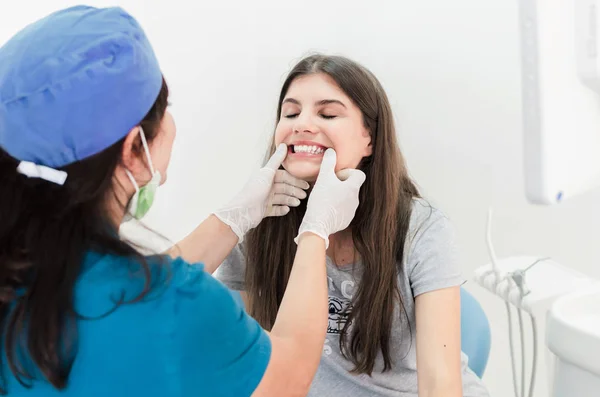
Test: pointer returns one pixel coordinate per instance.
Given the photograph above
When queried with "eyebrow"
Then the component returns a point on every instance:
(319, 103)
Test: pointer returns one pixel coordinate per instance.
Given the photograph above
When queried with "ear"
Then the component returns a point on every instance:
(130, 149)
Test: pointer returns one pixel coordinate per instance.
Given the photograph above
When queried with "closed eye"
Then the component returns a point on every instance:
(325, 116)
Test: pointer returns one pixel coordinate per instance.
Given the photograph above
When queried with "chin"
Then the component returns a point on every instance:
(306, 172)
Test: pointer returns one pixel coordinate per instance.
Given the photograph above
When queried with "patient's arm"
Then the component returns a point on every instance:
(438, 343)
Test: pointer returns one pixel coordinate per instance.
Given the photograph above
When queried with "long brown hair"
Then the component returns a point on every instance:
(45, 233)
(379, 227)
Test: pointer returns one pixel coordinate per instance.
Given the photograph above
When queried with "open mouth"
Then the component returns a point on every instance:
(314, 150)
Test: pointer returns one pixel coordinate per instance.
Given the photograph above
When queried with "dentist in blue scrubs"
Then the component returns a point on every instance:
(85, 141)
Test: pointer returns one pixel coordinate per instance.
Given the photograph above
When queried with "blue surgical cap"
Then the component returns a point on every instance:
(74, 83)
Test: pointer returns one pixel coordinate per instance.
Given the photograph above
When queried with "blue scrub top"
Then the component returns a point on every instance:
(189, 337)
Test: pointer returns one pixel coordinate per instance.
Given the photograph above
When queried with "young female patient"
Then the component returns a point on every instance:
(394, 298)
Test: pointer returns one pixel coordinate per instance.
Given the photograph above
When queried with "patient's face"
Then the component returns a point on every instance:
(316, 115)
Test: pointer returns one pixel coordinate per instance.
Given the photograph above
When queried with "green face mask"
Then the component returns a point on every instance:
(142, 200)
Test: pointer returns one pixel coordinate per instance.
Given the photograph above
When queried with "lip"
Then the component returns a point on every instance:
(308, 143)
(306, 155)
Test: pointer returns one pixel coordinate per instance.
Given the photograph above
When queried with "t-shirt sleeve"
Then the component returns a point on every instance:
(433, 258)
(219, 349)
(232, 271)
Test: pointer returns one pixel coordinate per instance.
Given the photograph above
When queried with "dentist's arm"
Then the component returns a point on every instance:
(210, 243)
(269, 192)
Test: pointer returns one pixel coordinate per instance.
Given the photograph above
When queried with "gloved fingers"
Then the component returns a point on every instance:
(352, 176)
(285, 177)
(328, 163)
(277, 210)
(356, 178)
(289, 190)
(284, 199)
(277, 158)
(343, 174)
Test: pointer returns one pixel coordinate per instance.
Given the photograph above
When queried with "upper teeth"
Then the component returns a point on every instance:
(308, 149)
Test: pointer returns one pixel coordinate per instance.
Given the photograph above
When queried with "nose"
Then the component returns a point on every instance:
(304, 123)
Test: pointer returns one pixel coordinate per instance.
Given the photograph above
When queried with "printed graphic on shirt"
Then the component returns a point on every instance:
(340, 306)
(339, 310)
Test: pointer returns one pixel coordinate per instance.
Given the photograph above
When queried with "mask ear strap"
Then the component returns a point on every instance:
(146, 149)
(132, 179)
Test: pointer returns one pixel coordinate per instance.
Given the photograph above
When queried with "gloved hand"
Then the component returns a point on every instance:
(332, 202)
(269, 192)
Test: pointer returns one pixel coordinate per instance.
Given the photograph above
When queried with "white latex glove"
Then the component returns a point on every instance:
(287, 191)
(269, 192)
(332, 202)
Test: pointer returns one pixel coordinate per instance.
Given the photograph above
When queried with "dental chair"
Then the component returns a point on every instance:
(476, 338)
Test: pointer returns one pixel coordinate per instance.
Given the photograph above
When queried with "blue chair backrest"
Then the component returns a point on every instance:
(475, 335)
(476, 338)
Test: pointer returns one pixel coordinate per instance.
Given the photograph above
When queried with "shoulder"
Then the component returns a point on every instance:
(163, 277)
(176, 287)
(126, 271)
(427, 220)
(191, 284)
(104, 276)
(237, 257)
(233, 269)
(431, 259)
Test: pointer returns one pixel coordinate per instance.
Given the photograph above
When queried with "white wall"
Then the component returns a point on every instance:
(450, 68)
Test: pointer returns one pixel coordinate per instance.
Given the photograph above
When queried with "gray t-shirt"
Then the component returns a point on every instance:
(430, 263)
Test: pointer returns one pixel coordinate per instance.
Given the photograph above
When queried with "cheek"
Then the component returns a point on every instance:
(344, 140)
(163, 150)
(161, 155)
(345, 158)
(350, 152)
(281, 133)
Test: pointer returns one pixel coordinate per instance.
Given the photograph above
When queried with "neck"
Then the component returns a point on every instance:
(117, 202)
(341, 248)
